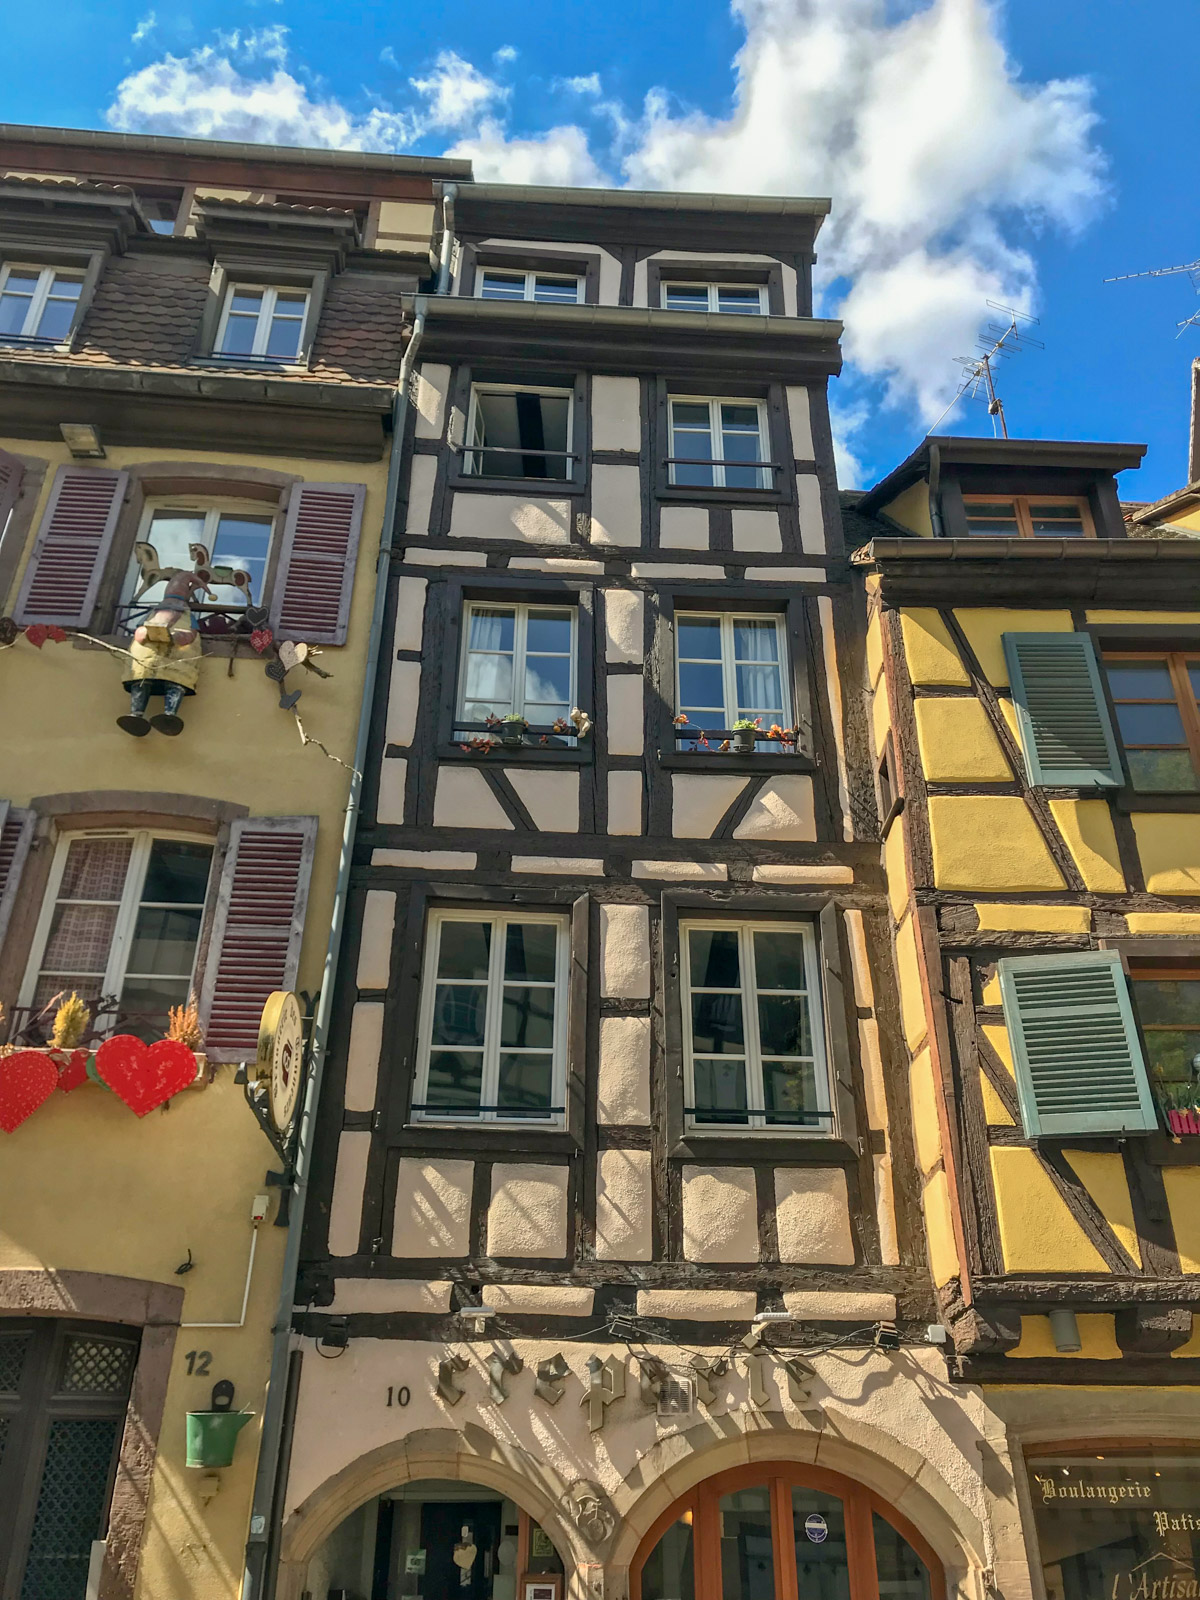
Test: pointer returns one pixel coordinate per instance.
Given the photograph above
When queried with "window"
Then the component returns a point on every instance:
(38, 302)
(231, 545)
(519, 433)
(729, 667)
(1155, 697)
(262, 322)
(752, 1026)
(493, 1018)
(1167, 998)
(740, 299)
(64, 1388)
(1029, 516)
(518, 660)
(558, 288)
(121, 921)
(711, 439)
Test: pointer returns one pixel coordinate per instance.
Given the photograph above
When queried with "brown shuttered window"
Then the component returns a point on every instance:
(255, 946)
(72, 544)
(316, 569)
(16, 834)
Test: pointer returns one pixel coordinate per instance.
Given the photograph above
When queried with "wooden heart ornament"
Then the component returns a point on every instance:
(27, 1077)
(142, 1075)
(73, 1070)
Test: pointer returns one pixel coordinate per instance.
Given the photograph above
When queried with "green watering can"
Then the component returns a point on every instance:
(212, 1435)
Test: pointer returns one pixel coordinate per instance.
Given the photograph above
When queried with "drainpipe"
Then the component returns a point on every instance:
(257, 1582)
(449, 194)
(935, 489)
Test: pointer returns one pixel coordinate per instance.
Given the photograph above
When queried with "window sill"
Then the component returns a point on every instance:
(486, 1137)
(726, 761)
(721, 497)
(262, 364)
(528, 755)
(805, 1145)
(1128, 800)
(536, 486)
(32, 341)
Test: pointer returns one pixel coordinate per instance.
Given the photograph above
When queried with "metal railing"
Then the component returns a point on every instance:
(32, 1025)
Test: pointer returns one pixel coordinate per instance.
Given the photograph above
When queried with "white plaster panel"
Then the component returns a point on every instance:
(720, 1214)
(433, 860)
(639, 283)
(577, 866)
(403, 695)
(812, 518)
(655, 572)
(616, 505)
(463, 800)
(616, 413)
(362, 1055)
(508, 516)
(527, 1215)
(625, 952)
(623, 1081)
(864, 988)
(755, 529)
(790, 303)
(410, 613)
(840, 1305)
(445, 558)
(624, 802)
(625, 736)
(433, 385)
(872, 1065)
(393, 771)
(421, 479)
(785, 575)
(698, 803)
(788, 874)
(812, 1216)
(555, 564)
(541, 1299)
(375, 951)
(624, 1206)
(551, 798)
(782, 809)
(432, 1216)
(388, 1294)
(345, 1207)
(609, 287)
(800, 421)
(713, 871)
(697, 1305)
(885, 1210)
(624, 625)
(683, 528)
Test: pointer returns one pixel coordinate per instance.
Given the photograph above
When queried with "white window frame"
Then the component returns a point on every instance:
(212, 515)
(47, 277)
(522, 609)
(756, 1118)
(490, 1077)
(714, 295)
(728, 620)
(715, 432)
(270, 294)
(471, 449)
(529, 283)
(115, 972)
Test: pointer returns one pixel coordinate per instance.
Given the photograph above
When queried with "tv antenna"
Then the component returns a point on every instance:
(1192, 268)
(1001, 340)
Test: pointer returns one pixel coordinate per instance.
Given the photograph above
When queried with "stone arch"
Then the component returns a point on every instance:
(471, 1454)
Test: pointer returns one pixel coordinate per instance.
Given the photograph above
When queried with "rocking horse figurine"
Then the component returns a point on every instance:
(165, 652)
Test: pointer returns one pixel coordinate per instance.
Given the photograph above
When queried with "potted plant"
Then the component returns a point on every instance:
(512, 731)
(745, 733)
(1181, 1103)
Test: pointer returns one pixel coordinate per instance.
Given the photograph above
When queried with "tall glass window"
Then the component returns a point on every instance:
(518, 660)
(730, 667)
(38, 302)
(715, 442)
(262, 322)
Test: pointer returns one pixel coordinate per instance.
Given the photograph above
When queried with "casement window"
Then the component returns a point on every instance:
(713, 443)
(738, 299)
(519, 432)
(1079, 1062)
(1066, 732)
(64, 1390)
(231, 544)
(730, 667)
(753, 1038)
(1155, 695)
(1022, 516)
(262, 321)
(553, 287)
(38, 302)
(492, 1032)
(1166, 997)
(121, 921)
(517, 660)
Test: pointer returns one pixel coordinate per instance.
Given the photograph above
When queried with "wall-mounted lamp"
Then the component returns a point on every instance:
(1065, 1328)
(82, 439)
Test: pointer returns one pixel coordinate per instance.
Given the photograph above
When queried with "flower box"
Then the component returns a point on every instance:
(1183, 1121)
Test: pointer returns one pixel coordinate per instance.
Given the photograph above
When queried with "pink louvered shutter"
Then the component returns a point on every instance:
(316, 567)
(72, 545)
(16, 835)
(257, 928)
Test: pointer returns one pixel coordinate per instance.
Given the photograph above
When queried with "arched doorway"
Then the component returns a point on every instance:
(784, 1532)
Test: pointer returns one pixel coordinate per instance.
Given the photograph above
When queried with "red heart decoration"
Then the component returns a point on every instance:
(53, 631)
(261, 639)
(145, 1075)
(27, 1077)
(37, 633)
(73, 1071)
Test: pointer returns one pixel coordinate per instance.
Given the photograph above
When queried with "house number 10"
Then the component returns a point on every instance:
(398, 1397)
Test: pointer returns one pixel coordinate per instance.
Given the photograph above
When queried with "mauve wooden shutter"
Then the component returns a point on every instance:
(255, 944)
(16, 835)
(1075, 1045)
(316, 567)
(72, 546)
(1066, 732)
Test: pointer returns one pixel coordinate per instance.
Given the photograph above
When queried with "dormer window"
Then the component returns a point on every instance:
(740, 299)
(262, 322)
(548, 287)
(1023, 516)
(38, 302)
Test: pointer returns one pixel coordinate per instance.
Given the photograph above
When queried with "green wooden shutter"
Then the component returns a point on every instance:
(1079, 1061)
(1066, 731)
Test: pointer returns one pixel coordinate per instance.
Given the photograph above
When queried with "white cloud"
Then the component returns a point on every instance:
(388, 55)
(588, 85)
(456, 94)
(505, 54)
(558, 156)
(145, 27)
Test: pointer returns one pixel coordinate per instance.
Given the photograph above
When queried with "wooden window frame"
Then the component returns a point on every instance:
(766, 468)
(461, 420)
(1176, 662)
(727, 618)
(529, 277)
(701, 1506)
(211, 511)
(1145, 969)
(714, 288)
(262, 323)
(47, 274)
(521, 610)
(767, 275)
(477, 258)
(1021, 503)
(775, 441)
(245, 272)
(470, 449)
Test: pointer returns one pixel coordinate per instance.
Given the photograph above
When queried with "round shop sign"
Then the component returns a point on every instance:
(280, 1056)
(816, 1528)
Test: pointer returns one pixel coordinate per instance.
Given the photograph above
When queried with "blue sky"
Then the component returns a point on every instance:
(1021, 151)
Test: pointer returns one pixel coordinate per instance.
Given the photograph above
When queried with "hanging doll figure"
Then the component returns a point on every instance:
(166, 659)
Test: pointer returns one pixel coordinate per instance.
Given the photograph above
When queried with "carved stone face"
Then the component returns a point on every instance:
(590, 1512)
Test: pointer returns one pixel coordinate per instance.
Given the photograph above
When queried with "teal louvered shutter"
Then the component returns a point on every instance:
(1080, 1068)
(1066, 732)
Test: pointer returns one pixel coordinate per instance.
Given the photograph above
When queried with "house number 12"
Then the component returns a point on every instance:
(398, 1397)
